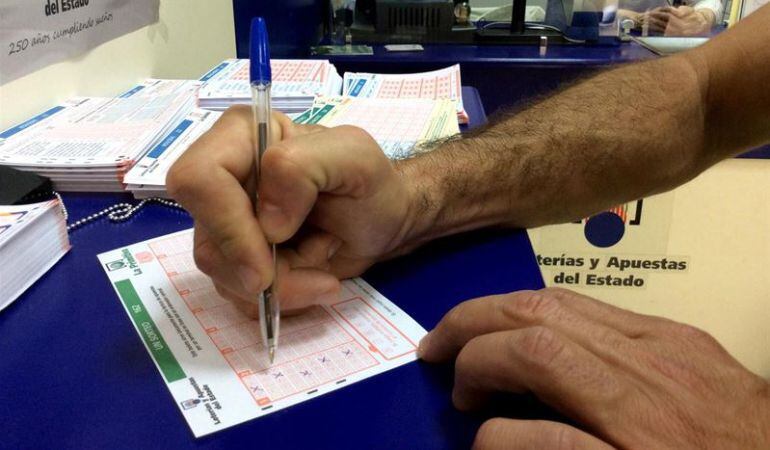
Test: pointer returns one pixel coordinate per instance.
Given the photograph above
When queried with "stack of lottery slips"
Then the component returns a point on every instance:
(89, 143)
(402, 127)
(32, 239)
(435, 85)
(295, 84)
(148, 176)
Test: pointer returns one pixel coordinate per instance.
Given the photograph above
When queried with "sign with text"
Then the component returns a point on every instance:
(698, 254)
(623, 247)
(37, 33)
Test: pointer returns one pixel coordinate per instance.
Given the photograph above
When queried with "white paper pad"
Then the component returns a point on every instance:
(212, 357)
(32, 238)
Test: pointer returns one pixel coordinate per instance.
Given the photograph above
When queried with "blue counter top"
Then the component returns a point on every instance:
(505, 55)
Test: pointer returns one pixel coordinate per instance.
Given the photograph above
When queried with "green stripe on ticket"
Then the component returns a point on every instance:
(168, 364)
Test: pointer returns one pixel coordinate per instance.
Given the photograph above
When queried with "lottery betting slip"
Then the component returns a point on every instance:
(294, 85)
(211, 356)
(147, 178)
(435, 85)
(400, 126)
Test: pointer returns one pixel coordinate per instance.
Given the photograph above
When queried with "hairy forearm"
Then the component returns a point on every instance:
(614, 137)
(619, 136)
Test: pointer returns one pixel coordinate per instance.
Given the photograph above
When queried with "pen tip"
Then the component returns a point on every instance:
(271, 353)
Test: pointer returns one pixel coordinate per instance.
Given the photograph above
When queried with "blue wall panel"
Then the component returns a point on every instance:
(293, 25)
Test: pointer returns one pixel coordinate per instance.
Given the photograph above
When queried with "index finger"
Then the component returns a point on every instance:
(660, 15)
(558, 371)
(601, 330)
(682, 11)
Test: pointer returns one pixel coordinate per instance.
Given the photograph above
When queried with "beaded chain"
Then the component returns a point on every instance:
(116, 213)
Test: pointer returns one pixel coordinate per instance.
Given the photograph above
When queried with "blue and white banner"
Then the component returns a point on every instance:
(37, 33)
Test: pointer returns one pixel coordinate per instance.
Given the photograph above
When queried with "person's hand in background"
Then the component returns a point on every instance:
(687, 21)
(656, 20)
(631, 381)
(672, 21)
(329, 196)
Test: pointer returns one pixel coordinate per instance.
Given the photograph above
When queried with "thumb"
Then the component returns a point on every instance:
(513, 434)
(285, 128)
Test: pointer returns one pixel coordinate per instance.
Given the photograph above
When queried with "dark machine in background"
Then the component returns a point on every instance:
(518, 31)
(502, 77)
(296, 25)
(446, 21)
(410, 21)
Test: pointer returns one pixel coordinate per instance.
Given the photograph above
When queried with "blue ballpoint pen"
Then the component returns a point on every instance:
(260, 77)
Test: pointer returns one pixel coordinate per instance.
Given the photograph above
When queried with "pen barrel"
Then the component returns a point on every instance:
(269, 306)
(260, 95)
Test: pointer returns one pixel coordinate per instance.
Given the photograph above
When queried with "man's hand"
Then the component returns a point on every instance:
(656, 20)
(673, 21)
(687, 21)
(632, 381)
(329, 196)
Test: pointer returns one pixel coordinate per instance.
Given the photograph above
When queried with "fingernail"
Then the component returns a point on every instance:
(250, 279)
(423, 346)
(271, 213)
(269, 207)
(335, 245)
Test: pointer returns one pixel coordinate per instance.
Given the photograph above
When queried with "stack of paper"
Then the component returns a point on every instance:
(148, 176)
(88, 144)
(400, 126)
(32, 238)
(296, 82)
(438, 84)
(697, 254)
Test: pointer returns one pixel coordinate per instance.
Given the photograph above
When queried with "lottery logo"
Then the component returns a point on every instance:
(607, 228)
(115, 265)
(190, 404)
